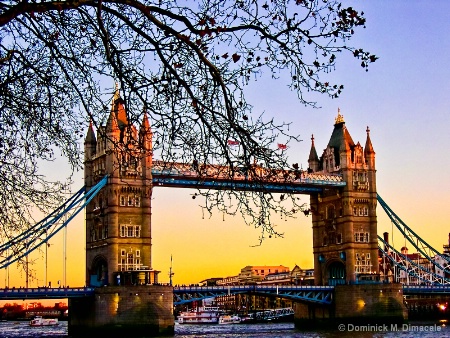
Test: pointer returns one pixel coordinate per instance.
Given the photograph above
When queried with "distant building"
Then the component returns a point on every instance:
(210, 281)
(255, 274)
(232, 280)
(297, 276)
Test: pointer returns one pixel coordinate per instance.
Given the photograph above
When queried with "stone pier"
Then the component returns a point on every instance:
(355, 304)
(123, 311)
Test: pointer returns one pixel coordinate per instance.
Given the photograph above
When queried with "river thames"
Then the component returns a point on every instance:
(270, 330)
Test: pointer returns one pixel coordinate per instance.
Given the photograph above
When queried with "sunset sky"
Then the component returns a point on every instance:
(404, 98)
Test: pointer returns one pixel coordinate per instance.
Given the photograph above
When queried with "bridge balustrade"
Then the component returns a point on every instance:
(44, 293)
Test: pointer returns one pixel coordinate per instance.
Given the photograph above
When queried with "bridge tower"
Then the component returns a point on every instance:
(344, 220)
(118, 222)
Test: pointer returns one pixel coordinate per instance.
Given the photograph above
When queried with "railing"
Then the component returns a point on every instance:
(254, 287)
(256, 174)
(45, 293)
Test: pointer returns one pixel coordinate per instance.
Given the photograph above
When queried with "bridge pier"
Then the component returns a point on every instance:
(358, 304)
(123, 311)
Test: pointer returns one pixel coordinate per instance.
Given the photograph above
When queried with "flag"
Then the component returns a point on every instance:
(233, 143)
(282, 146)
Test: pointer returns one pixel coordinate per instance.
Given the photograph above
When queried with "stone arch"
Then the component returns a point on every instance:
(99, 271)
(336, 272)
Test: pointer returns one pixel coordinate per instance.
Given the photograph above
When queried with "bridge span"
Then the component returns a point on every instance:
(188, 294)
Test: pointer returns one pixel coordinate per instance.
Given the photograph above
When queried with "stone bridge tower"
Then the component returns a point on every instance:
(118, 222)
(344, 220)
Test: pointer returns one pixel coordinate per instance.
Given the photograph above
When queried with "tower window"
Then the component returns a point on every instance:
(122, 201)
(130, 200)
(128, 230)
(362, 237)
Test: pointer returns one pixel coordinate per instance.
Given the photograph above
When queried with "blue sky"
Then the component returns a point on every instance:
(403, 98)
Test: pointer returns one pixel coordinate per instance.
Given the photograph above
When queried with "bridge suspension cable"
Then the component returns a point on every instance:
(409, 266)
(29, 240)
(421, 246)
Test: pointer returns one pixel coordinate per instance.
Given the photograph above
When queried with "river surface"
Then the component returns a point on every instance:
(427, 329)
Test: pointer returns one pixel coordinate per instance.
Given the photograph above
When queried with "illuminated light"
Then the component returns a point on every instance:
(360, 304)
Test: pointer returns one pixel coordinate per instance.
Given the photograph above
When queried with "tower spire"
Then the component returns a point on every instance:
(339, 118)
(313, 160)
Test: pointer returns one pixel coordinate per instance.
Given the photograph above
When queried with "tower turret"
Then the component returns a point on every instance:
(313, 160)
(90, 148)
(369, 153)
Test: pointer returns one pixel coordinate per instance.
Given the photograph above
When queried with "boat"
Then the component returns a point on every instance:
(229, 319)
(39, 321)
(201, 315)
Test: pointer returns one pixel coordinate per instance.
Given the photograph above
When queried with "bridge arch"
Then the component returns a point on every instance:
(336, 272)
(99, 271)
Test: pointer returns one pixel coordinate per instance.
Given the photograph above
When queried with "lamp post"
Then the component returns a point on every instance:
(170, 271)
(26, 265)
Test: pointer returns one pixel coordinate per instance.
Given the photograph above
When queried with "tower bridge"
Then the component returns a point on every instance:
(350, 260)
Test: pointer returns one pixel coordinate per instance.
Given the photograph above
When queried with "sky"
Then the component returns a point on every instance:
(404, 100)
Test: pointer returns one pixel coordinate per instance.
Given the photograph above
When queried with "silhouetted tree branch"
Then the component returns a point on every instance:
(186, 64)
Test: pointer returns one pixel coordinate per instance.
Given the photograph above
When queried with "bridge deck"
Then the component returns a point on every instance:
(219, 177)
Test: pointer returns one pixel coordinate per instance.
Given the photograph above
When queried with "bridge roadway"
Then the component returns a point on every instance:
(187, 294)
(219, 177)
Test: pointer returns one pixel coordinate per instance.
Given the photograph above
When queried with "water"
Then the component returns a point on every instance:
(11, 329)
(271, 330)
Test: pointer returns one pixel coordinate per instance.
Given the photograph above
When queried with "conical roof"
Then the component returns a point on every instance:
(313, 153)
(340, 138)
(90, 136)
(368, 148)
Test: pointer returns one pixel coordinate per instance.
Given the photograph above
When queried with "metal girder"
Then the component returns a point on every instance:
(233, 185)
(313, 294)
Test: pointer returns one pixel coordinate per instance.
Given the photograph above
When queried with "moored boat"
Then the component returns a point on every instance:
(39, 321)
(201, 315)
(228, 319)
